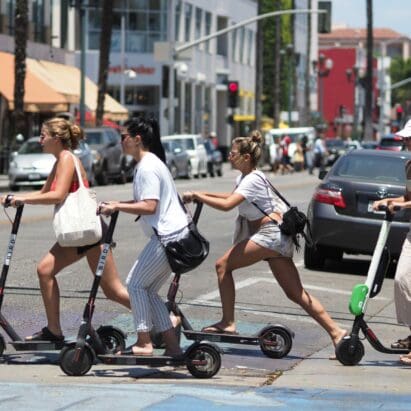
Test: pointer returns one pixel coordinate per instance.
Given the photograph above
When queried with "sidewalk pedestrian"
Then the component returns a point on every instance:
(257, 238)
(59, 137)
(155, 199)
(320, 154)
(402, 279)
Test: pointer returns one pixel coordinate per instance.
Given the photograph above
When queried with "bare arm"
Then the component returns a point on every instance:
(220, 203)
(144, 207)
(63, 171)
(386, 201)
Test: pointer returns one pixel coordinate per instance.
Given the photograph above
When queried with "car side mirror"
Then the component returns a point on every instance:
(111, 144)
(322, 174)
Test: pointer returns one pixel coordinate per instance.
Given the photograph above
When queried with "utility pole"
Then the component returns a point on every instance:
(259, 70)
(277, 68)
(368, 129)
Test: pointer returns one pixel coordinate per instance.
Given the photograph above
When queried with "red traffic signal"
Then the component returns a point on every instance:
(233, 89)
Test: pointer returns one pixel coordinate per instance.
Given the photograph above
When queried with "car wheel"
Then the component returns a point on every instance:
(173, 171)
(13, 187)
(313, 257)
(102, 178)
(122, 178)
(189, 174)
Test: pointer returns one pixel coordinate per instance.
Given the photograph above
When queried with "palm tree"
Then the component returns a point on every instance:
(20, 41)
(307, 90)
(105, 43)
(259, 69)
(368, 130)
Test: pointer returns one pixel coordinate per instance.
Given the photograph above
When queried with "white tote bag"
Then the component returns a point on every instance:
(75, 220)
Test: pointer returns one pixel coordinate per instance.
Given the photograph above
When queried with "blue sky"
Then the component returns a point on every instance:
(393, 14)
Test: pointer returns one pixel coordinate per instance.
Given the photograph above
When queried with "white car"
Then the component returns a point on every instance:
(193, 144)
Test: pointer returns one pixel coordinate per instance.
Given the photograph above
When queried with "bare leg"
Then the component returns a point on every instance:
(110, 281)
(241, 255)
(47, 269)
(287, 276)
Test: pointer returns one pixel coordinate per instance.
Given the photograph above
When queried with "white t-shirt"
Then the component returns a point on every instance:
(153, 181)
(254, 188)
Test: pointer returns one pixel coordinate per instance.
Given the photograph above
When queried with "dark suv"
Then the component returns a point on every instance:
(109, 162)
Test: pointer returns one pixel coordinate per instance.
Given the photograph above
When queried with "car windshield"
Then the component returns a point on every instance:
(390, 142)
(31, 147)
(94, 137)
(372, 168)
(166, 145)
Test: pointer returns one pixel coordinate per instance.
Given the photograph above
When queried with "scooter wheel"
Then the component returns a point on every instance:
(112, 339)
(2, 345)
(349, 356)
(275, 342)
(204, 361)
(74, 362)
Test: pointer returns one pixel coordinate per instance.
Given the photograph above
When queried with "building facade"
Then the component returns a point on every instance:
(139, 76)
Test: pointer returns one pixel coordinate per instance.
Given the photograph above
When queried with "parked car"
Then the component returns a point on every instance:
(214, 159)
(193, 144)
(109, 162)
(340, 212)
(30, 166)
(391, 142)
(178, 160)
(353, 145)
(335, 147)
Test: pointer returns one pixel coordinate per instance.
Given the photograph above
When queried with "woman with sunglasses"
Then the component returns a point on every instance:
(155, 199)
(402, 279)
(59, 137)
(257, 238)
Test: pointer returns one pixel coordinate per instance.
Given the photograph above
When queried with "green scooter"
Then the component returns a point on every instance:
(350, 350)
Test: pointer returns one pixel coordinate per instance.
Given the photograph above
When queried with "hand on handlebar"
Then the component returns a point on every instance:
(188, 197)
(106, 208)
(394, 206)
(10, 200)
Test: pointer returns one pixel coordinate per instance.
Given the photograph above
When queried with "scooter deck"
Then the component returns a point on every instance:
(150, 360)
(37, 345)
(222, 337)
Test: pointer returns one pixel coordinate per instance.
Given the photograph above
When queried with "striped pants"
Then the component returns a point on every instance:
(145, 279)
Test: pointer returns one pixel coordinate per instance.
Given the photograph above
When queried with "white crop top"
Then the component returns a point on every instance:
(254, 188)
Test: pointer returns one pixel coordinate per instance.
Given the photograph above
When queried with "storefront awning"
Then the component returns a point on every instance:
(38, 97)
(66, 81)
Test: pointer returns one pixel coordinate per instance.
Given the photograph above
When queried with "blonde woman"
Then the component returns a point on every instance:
(59, 137)
(257, 238)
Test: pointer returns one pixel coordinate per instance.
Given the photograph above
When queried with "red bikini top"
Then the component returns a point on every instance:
(74, 185)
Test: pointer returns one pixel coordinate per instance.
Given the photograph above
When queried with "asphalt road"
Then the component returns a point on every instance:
(259, 301)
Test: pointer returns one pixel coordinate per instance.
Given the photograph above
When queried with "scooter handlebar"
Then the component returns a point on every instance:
(385, 208)
(9, 199)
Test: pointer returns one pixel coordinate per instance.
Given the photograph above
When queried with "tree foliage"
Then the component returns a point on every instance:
(400, 70)
(269, 54)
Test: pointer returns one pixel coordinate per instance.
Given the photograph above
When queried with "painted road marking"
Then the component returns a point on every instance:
(254, 280)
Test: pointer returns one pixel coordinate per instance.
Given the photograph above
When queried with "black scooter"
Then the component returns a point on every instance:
(350, 350)
(105, 339)
(275, 340)
(202, 359)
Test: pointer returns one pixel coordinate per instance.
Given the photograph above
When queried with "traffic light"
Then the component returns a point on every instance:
(324, 19)
(233, 89)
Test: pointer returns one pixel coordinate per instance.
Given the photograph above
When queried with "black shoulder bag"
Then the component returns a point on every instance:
(188, 252)
(294, 220)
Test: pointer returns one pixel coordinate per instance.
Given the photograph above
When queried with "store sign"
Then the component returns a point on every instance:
(139, 70)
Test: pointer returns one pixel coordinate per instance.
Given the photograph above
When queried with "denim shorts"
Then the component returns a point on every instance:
(270, 236)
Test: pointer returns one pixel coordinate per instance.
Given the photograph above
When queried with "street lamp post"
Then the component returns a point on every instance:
(322, 67)
(357, 74)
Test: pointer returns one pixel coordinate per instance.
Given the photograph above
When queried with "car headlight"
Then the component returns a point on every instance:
(13, 164)
(96, 156)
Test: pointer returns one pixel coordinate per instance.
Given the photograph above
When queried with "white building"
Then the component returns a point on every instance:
(141, 82)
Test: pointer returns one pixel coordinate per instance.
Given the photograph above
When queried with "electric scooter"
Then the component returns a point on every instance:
(105, 339)
(275, 340)
(350, 350)
(202, 359)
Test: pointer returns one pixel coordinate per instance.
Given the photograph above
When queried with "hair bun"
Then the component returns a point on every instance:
(76, 132)
(256, 137)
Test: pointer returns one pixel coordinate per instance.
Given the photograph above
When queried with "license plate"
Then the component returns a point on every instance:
(371, 210)
(34, 176)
